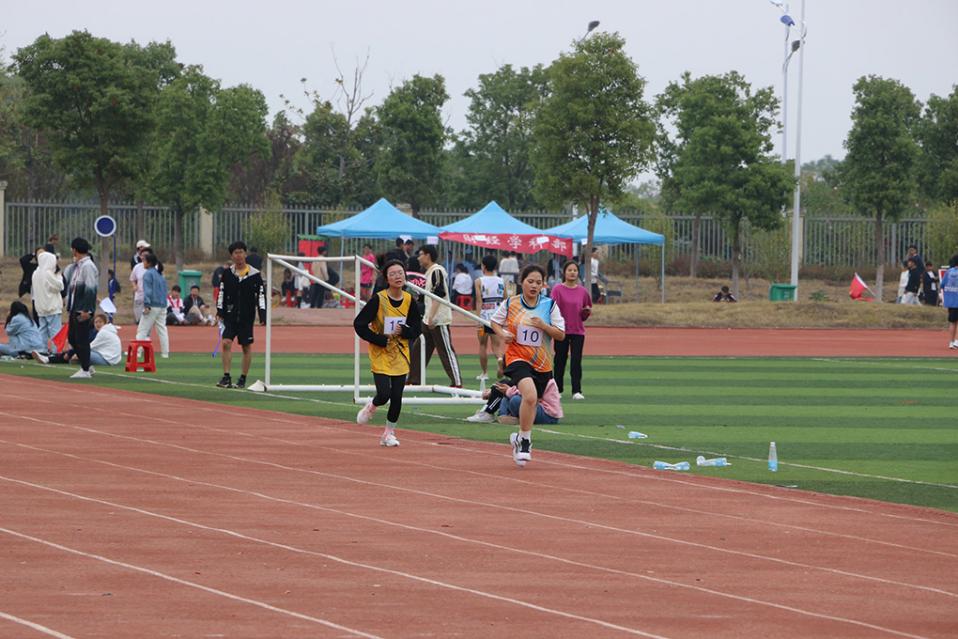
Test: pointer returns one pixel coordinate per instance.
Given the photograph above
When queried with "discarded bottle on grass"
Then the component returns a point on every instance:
(661, 465)
(715, 461)
(634, 434)
(772, 458)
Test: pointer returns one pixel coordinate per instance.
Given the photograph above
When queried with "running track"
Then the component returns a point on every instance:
(120, 519)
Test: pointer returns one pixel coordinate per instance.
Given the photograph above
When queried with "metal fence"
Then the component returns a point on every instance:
(827, 241)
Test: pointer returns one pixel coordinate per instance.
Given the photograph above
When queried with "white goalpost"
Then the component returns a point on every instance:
(449, 395)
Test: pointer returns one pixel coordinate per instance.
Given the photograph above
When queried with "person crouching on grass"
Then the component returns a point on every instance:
(241, 297)
(527, 323)
(389, 321)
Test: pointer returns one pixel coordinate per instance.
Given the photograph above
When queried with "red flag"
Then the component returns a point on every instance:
(857, 289)
(60, 339)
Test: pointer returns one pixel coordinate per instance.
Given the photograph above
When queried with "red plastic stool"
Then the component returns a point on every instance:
(133, 364)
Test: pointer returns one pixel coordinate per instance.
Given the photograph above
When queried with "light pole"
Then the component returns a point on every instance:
(592, 25)
(790, 48)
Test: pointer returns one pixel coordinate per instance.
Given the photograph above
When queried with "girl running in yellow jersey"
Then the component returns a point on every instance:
(389, 322)
(527, 324)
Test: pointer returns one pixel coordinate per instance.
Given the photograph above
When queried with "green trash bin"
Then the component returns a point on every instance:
(781, 293)
(187, 279)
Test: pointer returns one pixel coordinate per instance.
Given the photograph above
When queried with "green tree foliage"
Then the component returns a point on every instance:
(202, 130)
(492, 158)
(938, 136)
(261, 176)
(878, 175)
(412, 136)
(719, 158)
(93, 100)
(269, 229)
(593, 132)
(943, 232)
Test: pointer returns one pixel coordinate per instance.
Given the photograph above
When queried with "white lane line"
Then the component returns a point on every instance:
(657, 580)
(589, 524)
(34, 626)
(191, 584)
(266, 415)
(540, 484)
(334, 558)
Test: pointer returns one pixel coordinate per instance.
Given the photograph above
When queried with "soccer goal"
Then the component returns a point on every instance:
(422, 393)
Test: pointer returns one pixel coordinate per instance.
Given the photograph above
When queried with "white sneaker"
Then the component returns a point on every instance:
(165, 355)
(578, 396)
(953, 344)
(481, 417)
(483, 377)
(510, 420)
(521, 449)
(40, 357)
(388, 440)
(366, 413)
(92, 371)
(82, 374)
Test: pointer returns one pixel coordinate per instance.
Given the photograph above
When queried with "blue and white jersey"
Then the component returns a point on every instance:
(949, 288)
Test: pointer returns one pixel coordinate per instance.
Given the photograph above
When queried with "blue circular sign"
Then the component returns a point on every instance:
(105, 226)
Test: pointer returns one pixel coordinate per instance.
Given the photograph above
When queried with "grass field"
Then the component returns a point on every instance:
(878, 428)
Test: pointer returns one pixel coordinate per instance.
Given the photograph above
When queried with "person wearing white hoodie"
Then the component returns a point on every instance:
(47, 298)
(105, 349)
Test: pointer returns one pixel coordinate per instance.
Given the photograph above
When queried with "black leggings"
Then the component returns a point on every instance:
(575, 342)
(389, 388)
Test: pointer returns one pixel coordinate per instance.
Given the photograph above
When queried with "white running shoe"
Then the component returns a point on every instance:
(388, 440)
(510, 420)
(481, 417)
(578, 396)
(953, 344)
(521, 449)
(82, 374)
(366, 413)
(92, 371)
(40, 357)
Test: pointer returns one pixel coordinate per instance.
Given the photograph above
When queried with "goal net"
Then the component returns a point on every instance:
(422, 393)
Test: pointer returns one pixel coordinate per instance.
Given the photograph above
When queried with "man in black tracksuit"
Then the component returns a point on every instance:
(242, 296)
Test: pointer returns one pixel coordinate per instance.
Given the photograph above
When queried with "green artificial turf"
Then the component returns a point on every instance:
(878, 428)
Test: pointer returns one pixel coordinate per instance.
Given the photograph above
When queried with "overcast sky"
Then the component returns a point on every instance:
(272, 44)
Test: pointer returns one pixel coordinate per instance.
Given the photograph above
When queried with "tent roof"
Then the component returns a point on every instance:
(609, 229)
(491, 218)
(382, 220)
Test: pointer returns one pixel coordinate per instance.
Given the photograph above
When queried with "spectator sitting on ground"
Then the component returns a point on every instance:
(24, 336)
(105, 347)
(254, 259)
(505, 400)
(175, 312)
(724, 295)
(196, 310)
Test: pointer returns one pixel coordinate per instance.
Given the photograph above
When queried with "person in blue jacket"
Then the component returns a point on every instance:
(949, 294)
(23, 334)
(154, 305)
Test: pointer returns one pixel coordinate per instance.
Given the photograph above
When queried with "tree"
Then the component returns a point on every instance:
(202, 130)
(593, 133)
(410, 158)
(495, 151)
(937, 134)
(719, 159)
(93, 99)
(260, 177)
(878, 175)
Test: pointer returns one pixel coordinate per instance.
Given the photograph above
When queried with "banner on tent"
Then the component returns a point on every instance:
(520, 243)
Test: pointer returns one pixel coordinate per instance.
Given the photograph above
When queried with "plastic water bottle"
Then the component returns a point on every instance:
(661, 465)
(718, 462)
(634, 434)
(772, 458)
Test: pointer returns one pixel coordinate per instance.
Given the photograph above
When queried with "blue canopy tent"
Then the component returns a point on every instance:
(381, 221)
(611, 229)
(493, 227)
